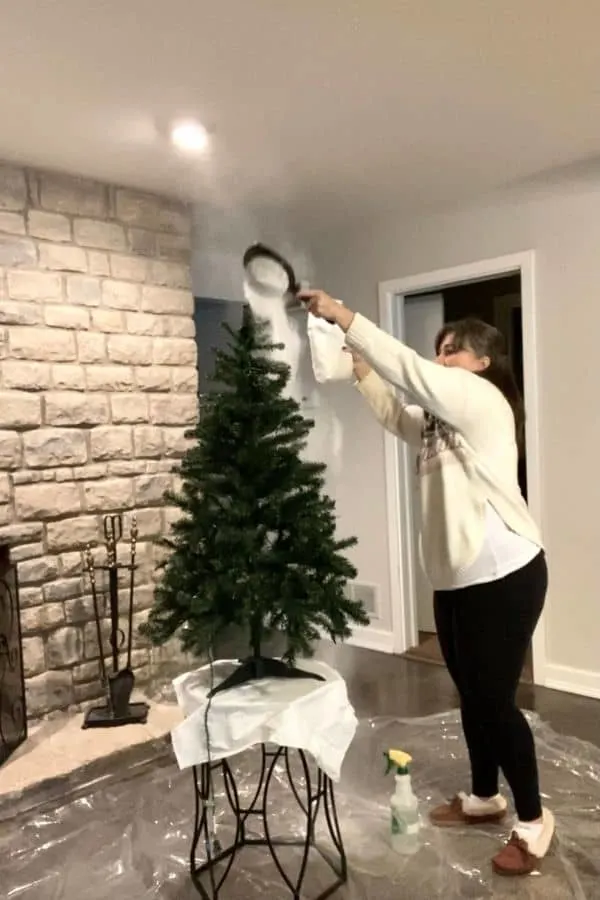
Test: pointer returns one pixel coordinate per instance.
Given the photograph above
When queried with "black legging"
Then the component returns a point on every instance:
(485, 631)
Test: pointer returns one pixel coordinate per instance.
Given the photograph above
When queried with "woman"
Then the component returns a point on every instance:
(480, 549)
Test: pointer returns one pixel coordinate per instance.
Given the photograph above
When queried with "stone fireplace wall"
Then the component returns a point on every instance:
(97, 386)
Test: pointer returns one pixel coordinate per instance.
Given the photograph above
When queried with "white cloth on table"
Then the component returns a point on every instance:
(306, 714)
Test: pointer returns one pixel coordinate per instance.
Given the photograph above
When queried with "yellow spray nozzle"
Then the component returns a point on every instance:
(399, 760)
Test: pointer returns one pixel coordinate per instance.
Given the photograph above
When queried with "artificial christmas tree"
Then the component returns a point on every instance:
(255, 546)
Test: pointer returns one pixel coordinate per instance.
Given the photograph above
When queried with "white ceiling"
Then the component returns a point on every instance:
(332, 109)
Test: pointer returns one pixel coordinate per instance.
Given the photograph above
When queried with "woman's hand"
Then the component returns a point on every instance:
(321, 305)
(360, 367)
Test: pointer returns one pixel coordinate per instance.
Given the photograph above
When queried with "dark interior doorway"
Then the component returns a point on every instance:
(498, 302)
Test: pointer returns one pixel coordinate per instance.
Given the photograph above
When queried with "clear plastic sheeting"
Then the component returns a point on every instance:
(127, 834)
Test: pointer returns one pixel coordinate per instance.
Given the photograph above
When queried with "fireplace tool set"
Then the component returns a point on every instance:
(118, 682)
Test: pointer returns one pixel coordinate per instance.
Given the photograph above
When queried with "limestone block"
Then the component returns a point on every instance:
(80, 610)
(111, 442)
(121, 295)
(87, 473)
(34, 571)
(173, 409)
(68, 377)
(63, 589)
(26, 551)
(148, 442)
(150, 489)
(64, 647)
(149, 523)
(19, 409)
(170, 274)
(129, 409)
(62, 258)
(88, 671)
(167, 301)
(10, 449)
(4, 488)
(64, 408)
(174, 246)
(148, 211)
(70, 533)
(99, 235)
(153, 378)
(109, 378)
(48, 226)
(98, 263)
(41, 501)
(77, 196)
(128, 268)
(142, 242)
(25, 376)
(184, 379)
(66, 316)
(16, 251)
(12, 223)
(32, 649)
(145, 324)
(90, 638)
(49, 691)
(49, 447)
(43, 286)
(132, 350)
(110, 321)
(127, 467)
(91, 347)
(71, 564)
(174, 352)
(41, 618)
(44, 344)
(29, 596)
(13, 312)
(13, 188)
(108, 494)
(84, 290)
(175, 442)
(181, 327)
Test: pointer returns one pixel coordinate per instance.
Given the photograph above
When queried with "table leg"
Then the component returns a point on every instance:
(311, 799)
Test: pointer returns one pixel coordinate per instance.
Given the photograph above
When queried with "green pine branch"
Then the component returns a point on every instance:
(256, 544)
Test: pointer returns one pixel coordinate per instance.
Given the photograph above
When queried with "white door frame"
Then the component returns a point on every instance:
(392, 295)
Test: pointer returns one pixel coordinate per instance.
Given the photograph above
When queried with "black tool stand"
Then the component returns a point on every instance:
(105, 717)
(209, 876)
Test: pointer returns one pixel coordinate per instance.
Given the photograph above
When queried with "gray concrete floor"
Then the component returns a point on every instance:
(121, 827)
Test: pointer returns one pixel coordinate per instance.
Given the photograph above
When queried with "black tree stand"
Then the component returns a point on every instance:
(320, 797)
(118, 684)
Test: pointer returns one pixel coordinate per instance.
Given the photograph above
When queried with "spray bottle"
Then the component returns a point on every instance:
(404, 805)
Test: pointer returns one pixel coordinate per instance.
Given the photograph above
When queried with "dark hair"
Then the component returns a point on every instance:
(485, 340)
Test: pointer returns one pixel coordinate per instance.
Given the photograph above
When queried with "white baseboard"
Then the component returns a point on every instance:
(370, 638)
(584, 682)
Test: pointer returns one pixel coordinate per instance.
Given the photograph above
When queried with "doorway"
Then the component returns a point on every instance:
(501, 292)
(496, 301)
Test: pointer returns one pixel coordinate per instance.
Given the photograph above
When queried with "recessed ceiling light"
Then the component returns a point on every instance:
(189, 137)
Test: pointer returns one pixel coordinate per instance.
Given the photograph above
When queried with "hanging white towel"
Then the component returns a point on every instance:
(330, 362)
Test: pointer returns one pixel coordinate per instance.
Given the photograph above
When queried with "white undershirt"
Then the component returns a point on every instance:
(503, 552)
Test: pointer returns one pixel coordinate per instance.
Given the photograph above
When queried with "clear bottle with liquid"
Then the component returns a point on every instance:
(404, 806)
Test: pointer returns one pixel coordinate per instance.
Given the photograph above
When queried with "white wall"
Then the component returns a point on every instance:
(563, 227)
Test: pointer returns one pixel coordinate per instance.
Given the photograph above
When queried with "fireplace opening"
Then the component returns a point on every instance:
(13, 715)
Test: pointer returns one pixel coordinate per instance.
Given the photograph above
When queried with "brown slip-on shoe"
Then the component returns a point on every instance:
(519, 857)
(515, 858)
(452, 815)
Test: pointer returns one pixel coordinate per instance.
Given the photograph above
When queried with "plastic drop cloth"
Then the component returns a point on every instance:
(127, 835)
(312, 715)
